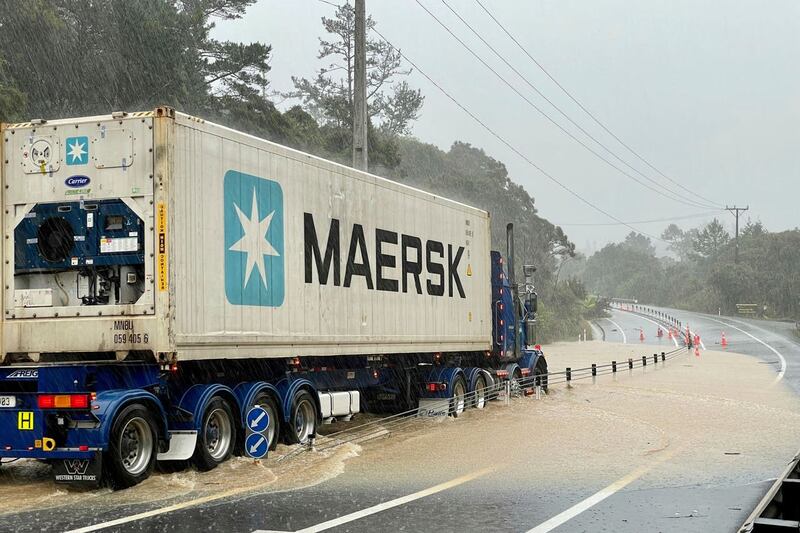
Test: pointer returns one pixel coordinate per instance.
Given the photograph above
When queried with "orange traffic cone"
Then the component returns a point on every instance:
(670, 333)
(696, 350)
(724, 340)
(641, 335)
(696, 339)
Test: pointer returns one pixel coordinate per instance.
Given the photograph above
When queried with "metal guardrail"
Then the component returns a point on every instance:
(779, 509)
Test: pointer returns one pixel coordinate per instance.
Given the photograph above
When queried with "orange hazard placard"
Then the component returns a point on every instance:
(161, 243)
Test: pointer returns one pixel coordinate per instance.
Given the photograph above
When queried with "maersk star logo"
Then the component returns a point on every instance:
(77, 150)
(254, 263)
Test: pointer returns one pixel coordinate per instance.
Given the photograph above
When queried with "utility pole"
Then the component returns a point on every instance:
(736, 210)
(360, 90)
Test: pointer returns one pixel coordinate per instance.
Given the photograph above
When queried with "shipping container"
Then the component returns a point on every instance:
(160, 232)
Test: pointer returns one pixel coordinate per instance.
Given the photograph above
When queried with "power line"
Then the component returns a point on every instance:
(508, 144)
(585, 110)
(550, 119)
(678, 196)
(670, 219)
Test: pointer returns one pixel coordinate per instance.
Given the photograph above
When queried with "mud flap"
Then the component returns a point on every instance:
(433, 407)
(83, 472)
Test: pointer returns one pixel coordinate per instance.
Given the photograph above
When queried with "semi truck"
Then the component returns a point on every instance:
(162, 275)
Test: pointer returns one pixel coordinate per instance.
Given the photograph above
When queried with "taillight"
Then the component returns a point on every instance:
(434, 387)
(63, 401)
(47, 401)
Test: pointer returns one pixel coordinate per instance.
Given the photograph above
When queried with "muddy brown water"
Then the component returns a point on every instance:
(719, 416)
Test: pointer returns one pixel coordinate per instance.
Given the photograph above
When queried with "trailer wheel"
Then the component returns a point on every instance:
(458, 402)
(217, 436)
(271, 407)
(302, 424)
(131, 455)
(479, 399)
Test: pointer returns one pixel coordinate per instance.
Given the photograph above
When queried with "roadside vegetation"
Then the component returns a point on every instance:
(138, 55)
(702, 273)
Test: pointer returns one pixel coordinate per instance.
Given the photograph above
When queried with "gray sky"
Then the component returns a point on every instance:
(709, 92)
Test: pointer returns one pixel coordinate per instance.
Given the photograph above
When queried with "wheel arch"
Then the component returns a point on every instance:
(288, 389)
(443, 374)
(246, 394)
(111, 402)
(195, 399)
(473, 373)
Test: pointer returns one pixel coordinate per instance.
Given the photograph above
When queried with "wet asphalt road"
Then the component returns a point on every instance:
(489, 502)
(743, 336)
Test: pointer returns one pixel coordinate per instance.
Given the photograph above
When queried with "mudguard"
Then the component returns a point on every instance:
(288, 387)
(108, 403)
(472, 373)
(246, 394)
(194, 401)
(441, 374)
(511, 368)
(530, 358)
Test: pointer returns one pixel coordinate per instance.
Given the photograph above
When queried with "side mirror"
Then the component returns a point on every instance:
(528, 271)
(533, 302)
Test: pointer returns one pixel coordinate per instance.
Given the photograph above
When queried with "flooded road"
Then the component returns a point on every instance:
(682, 446)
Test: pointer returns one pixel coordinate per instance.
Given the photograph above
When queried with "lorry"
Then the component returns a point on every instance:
(163, 275)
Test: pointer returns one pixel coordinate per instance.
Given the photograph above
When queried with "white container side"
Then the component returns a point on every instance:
(240, 249)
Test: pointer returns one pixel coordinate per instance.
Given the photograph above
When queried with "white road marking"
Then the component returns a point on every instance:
(659, 325)
(156, 512)
(624, 337)
(319, 527)
(599, 496)
(386, 505)
(776, 352)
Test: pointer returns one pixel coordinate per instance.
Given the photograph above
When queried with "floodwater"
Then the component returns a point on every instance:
(716, 420)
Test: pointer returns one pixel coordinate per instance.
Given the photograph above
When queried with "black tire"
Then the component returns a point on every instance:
(480, 393)
(302, 425)
(271, 406)
(216, 439)
(540, 371)
(458, 401)
(133, 447)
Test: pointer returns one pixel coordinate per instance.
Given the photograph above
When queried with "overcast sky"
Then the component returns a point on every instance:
(706, 91)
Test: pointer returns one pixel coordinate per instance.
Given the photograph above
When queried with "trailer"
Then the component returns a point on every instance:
(164, 276)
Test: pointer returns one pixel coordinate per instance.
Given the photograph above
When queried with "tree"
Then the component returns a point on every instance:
(639, 243)
(329, 97)
(105, 55)
(711, 239)
(12, 101)
(753, 229)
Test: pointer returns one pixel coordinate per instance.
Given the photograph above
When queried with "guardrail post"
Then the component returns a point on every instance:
(538, 392)
(655, 358)
(594, 373)
(613, 367)
(508, 392)
(569, 375)
(630, 366)
(663, 357)
(644, 360)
